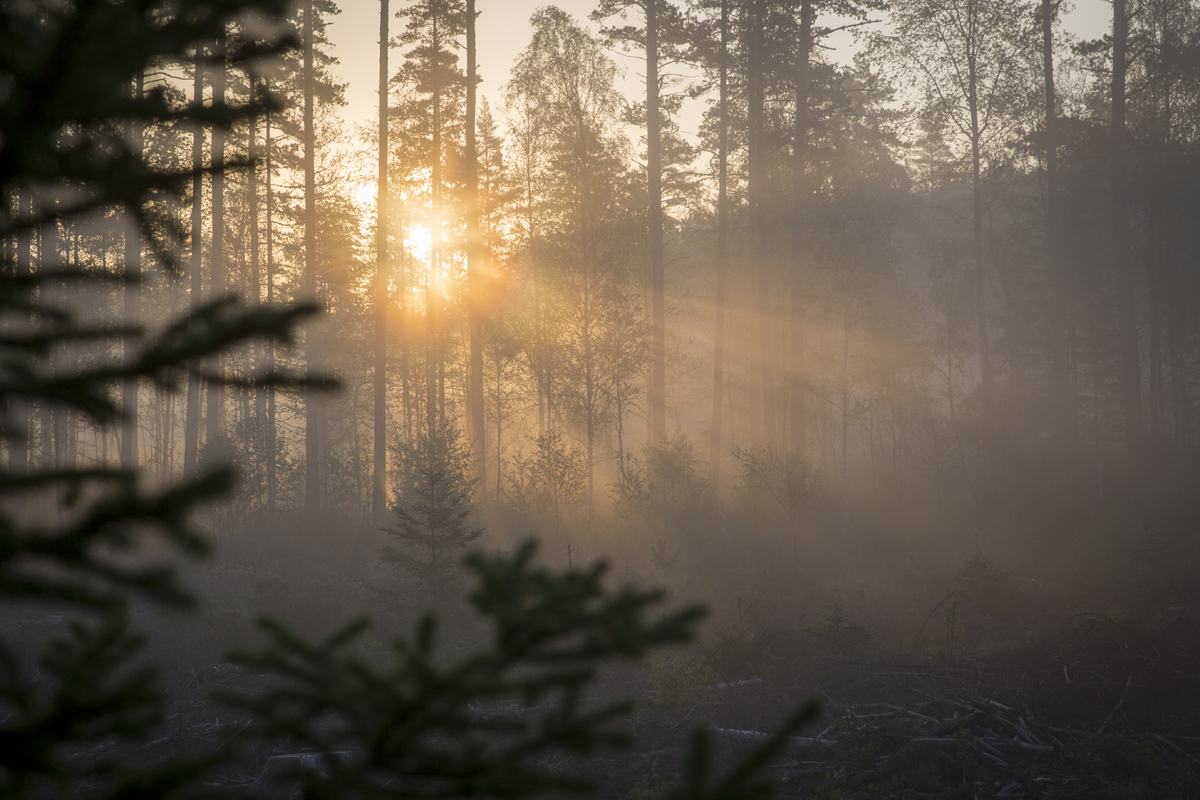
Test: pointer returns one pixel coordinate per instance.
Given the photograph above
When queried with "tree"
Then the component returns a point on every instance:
(968, 52)
(717, 421)
(433, 499)
(567, 80)
(661, 39)
(547, 483)
(551, 629)
(312, 448)
(67, 69)
(433, 109)
(474, 279)
(770, 478)
(382, 260)
(1131, 372)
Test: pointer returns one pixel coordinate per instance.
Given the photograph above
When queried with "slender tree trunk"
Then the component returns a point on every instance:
(1157, 404)
(499, 431)
(19, 406)
(846, 415)
(658, 330)
(49, 261)
(191, 425)
(216, 392)
(270, 198)
(255, 293)
(132, 306)
(762, 415)
(1131, 374)
(1179, 401)
(1062, 403)
(379, 484)
(437, 415)
(985, 357)
(714, 450)
(312, 450)
(799, 205)
(430, 369)
(474, 253)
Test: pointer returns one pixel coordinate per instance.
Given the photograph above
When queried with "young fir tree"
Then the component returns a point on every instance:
(433, 501)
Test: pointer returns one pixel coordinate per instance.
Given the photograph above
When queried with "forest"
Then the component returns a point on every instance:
(863, 328)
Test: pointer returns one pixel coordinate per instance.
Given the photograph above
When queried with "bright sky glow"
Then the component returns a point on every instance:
(364, 195)
(419, 242)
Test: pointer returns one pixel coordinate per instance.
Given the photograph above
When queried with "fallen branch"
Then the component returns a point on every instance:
(798, 742)
(1176, 748)
(1120, 702)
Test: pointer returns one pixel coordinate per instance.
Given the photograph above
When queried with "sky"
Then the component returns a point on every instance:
(503, 31)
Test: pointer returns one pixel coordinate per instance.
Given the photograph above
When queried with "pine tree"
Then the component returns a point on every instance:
(432, 503)
(433, 109)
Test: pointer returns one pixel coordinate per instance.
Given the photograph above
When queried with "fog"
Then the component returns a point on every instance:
(894, 368)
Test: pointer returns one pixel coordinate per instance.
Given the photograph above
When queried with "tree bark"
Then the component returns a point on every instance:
(474, 278)
(132, 309)
(714, 452)
(658, 331)
(799, 206)
(215, 421)
(1131, 374)
(1062, 403)
(379, 473)
(761, 415)
(312, 451)
(270, 198)
(191, 425)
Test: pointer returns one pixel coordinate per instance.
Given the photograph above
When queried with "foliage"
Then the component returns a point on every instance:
(683, 679)
(838, 634)
(548, 482)
(73, 536)
(486, 723)
(432, 501)
(66, 69)
(665, 492)
(776, 488)
(745, 647)
(551, 632)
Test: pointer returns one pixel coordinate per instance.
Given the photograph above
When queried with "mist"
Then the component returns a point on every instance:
(892, 366)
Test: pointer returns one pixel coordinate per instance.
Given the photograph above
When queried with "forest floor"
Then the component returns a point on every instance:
(1080, 706)
(1112, 712)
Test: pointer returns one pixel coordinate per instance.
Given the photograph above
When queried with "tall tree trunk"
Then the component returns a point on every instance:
(18, 458)
(191, 425)
(1062, 402)
(379, 483)
(270, 198)
(255, 293)
(1131, 374)
(474, 279)
(312, 450)
(761, 414)
(215, 421)
(52, 443)
(1157, 400)
(799, 206)
(985, 357)
(433, 350)
(714, 450)
(132, 309)
(658, 330)
(1179, 400)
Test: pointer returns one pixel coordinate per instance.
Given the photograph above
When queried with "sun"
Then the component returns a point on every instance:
(419, 242)
(364, 194)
